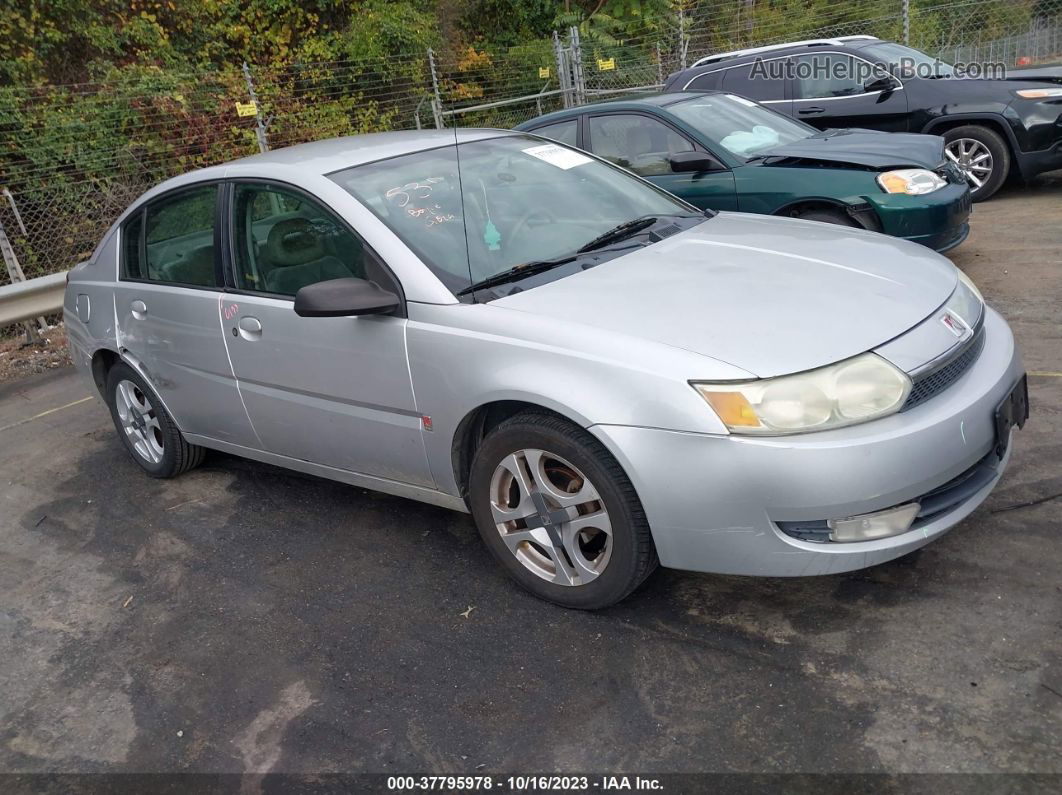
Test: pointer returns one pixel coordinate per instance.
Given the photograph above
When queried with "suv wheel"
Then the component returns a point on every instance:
(558, 512)
(982, 156)
(146, 430)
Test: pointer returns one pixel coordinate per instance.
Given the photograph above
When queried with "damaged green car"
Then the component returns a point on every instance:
(725, 152)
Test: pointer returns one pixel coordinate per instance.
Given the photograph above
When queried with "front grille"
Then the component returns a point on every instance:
(932, 383)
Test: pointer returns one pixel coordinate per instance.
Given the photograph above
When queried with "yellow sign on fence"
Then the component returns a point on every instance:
(246, 108)
(543, 72)
(604, 65)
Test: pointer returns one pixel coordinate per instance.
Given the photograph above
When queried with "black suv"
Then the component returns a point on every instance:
(862, 81)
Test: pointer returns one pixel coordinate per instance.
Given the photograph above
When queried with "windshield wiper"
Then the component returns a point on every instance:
(517, 272)
(619, 232)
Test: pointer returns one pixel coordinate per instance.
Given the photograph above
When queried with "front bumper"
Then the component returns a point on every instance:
(714, 502)
(939, 220)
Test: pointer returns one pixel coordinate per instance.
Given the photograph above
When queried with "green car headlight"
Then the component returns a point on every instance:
(912, 181)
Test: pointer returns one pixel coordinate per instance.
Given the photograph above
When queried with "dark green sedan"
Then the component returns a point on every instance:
(725, 152)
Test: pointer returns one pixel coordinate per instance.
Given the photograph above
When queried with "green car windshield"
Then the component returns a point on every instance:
(739, 125)
(504, 201)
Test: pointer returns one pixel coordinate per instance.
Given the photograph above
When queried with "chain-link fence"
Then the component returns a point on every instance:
(72, 157)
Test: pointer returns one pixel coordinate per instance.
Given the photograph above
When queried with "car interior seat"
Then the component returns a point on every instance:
(295, 255)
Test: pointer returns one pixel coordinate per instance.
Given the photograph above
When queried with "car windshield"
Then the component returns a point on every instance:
(739, 125)
(516, 199)
(906, 61)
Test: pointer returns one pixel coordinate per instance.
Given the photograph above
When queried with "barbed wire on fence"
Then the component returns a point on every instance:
(74, 156)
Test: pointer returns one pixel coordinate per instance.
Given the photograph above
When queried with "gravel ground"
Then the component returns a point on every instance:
(19, 358)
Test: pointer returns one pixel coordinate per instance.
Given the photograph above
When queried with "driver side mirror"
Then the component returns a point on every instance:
(344, 298)
(879, 83)
(694, 162)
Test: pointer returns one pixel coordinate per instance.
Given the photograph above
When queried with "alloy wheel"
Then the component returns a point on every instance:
(972, 157)
(551, 517)
(139, 421)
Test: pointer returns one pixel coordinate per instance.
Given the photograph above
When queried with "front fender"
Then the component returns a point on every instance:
(467, 355)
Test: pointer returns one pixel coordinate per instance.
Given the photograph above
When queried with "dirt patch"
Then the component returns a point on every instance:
(19, 358)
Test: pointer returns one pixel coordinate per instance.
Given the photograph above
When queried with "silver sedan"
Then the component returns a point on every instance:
(605, 377)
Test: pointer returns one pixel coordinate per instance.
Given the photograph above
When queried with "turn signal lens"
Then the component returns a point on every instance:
(732, 408)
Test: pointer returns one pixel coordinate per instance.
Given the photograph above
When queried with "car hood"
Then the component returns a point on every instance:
(867, 148)
(768, 295)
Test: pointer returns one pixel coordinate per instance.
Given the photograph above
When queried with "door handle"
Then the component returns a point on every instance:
(250, 328)
(138, 308)
(810, 111)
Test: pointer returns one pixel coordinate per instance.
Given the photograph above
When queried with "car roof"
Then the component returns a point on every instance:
(785, 48)
(334, 154)
(640, 101)
(319, 158)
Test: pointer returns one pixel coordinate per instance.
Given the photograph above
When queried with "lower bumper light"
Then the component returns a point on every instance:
(870, 526)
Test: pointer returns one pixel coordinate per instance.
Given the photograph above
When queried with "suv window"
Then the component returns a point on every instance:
(284, 241)
(825, 74)
(178, 239)
(636, 142)
(706, 82)
(564, 131)
(761, 83)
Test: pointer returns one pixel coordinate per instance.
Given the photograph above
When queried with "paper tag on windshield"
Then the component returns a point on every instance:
(742, 100)
(558, 156)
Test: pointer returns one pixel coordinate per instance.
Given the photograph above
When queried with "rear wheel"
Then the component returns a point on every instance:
(982, 156)
(145, 428)
(559, 514)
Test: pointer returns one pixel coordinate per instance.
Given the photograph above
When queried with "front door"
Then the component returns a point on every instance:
(828, 92)
(329, 390)
(643, 144)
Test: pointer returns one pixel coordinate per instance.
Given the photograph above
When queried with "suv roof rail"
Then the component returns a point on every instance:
(722, 56)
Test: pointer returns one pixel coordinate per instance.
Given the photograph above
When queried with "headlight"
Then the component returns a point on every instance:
(967, 301)
(1039, 93)
(912, 181)
(855, 390)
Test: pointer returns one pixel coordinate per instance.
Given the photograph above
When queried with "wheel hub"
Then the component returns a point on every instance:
(551, 517)
(972, 157)
(139, 421)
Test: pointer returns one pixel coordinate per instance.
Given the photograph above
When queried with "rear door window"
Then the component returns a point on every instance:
(173, 240)
(759, 80)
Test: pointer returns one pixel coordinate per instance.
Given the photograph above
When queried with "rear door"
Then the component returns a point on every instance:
(828, 92)
(643, 144)
(167, 311)
(330, 390)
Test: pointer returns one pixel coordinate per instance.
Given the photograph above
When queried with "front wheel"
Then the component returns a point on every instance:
(559, 514)
(982, 156)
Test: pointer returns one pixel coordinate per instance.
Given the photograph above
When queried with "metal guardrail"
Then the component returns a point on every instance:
(33, 298)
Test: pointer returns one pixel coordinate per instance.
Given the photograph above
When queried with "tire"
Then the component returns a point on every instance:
(145, 428)
(828, 217)
(583, 542)
(976, 141)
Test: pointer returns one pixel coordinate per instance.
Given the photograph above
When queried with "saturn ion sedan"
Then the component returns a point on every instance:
(604, 376)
